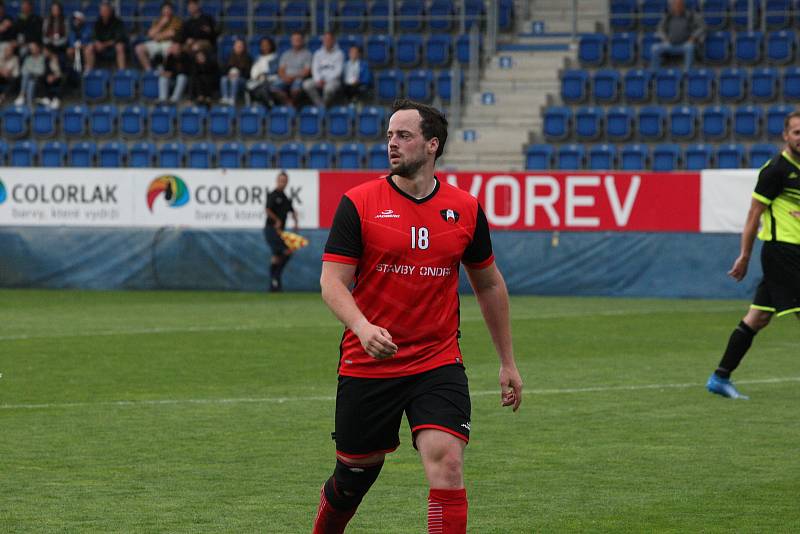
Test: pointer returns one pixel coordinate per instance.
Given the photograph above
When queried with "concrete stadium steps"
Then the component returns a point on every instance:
(557, 14)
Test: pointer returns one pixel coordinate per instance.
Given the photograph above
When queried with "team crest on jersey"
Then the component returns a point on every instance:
(450, 216)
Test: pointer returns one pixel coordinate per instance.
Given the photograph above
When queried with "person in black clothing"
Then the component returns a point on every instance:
(199, 30)
(278, 207)
(109, 39)
(29, 25)
(204, 78)
(176, 68)
(8, 31)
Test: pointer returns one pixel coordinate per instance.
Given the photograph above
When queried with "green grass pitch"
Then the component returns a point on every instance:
(194, 412)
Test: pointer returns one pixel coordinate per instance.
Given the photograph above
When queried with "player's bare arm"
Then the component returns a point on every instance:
(739, 269)
(490, 290)
(335, 282)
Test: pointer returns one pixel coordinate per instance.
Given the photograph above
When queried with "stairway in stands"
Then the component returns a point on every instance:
(499, 120)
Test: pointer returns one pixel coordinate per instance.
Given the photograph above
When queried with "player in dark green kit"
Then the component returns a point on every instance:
(776, 203)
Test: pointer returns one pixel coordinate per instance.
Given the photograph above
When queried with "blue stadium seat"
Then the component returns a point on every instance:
(3, 152)
(557, 123)
(747, 122)
(378, 51)
(652, 11)
(444, 85)
(371, 122)
(589, 123)
(741, 14)
(321, 156)
(95, 84)
(474, 11)
(132, 121)
(732, 85)
(778, 14)
(731, 156)
(781, 47)
(353, 16)
(53, 154)
(652, 123)
(149, 83)
(75, 121)
(764, 84)
(171, 155)
(646, 47)
(389, 85)
(261, 156)
(314, 43)
(776, 114)
(311, 122)
(760, 153)
(225, 46)
(592, 49)
(378, 16)
(44, 122)
(539, 156)
(231, 155)
(103, 121)
(408, 50)
(149, 11)
(505, 15)
(291, 156)
(633, 157)
(251, 121)
(281, 121)
(574, 86)
(748, 47)
(700, 85)
(570, 157)
(162, 121)
(22, 154)
(266, 15)
(378, 157)
(350, 39)
(462, 48)
(16, 121)
(222, 121)
(295, 16)
(715, 14)
(142, 154)
(698, 156)
(606, 86)
(623, 15)
(682, 123)
(619, 123)
(717, 48)
(668, 85)
(112, 154)
(791, 84)
(82, 154)
(352, 156)
(235, 17)
(410, 15)
(341, 122)
(439, 50)
(201, 155)
(716, 122)
(124, 84)
(419, 85)
(622, 48)
(601, 157)
(441, 14)
(666, 157)
(638, 87)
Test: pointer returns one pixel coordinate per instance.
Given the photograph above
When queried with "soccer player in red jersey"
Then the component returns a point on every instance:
(399, 241)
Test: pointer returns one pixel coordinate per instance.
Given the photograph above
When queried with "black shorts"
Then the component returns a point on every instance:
(274, 241)
(369, 410)
(779, 290)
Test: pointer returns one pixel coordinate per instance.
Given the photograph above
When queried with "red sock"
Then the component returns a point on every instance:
(329, 520)
(447, 511)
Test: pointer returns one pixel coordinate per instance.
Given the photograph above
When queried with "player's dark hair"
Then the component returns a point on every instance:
(789, 117)
(433, 123)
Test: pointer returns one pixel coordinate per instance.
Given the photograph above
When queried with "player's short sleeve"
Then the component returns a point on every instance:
(271, 201)
(344, 241)
(769, 184)
(478, 253)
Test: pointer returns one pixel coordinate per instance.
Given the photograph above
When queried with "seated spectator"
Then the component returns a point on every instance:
(293, 68)
(356, 76)
(29, 26)
(326, 72)
(235, 73)
(163, 31)
(199, 30)
(54, 30)
(80, 35)
(264, 73)
(205, 78)
(52, 82)
(679, 31)
(174, 71)
(8, 30)
(9, 72)
(33, 69)
(109, 39)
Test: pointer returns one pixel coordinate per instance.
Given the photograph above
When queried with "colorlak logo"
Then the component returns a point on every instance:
(172, 187)
(2, 192)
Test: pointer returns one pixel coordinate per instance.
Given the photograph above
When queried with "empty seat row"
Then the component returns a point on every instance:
(637, 157)
(201, 155)
(750, 47)
(606, 86)
(653, 123)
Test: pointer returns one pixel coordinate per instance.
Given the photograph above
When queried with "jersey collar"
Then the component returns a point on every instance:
(790, 159)
(409, 197)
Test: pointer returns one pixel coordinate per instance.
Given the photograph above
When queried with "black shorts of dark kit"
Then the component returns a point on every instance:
(369, 410)
(779, 290)
(274, 241)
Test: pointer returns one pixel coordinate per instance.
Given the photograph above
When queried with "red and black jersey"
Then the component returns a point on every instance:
(407, 253)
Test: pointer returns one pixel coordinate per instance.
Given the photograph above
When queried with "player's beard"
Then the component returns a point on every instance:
(408, 169)
(793, 150)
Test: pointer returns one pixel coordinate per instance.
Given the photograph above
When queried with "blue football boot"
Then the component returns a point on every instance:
(724, 387)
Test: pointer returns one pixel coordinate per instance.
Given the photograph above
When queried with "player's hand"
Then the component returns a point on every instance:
(739, 269)
(510, 387)
(376, 341)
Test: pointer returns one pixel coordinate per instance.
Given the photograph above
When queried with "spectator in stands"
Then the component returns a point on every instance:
(293, 68)
(175, 71)
(199, 30)
(356, 76)
(9, 72)
(29, 26)
(110, 38)
(164, 30)
(54, 30)
(264, 73)
(326, 72)
(235, 74)
(53, 80)
(8, 31)
(33, 69)
(679, 31)
(205, 77)
(80, 36)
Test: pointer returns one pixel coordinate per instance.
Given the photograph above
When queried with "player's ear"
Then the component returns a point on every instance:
(433, 145)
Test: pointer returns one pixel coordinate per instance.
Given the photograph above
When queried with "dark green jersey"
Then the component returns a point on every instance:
(778, 188)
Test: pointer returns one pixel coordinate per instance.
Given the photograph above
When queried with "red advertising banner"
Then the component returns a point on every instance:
(567, 201)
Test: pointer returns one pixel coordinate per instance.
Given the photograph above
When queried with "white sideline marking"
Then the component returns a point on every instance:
(330, 398)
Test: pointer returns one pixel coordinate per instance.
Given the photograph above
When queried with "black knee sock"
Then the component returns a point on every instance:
(738, 345)
(281, 264)
(274, 270)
